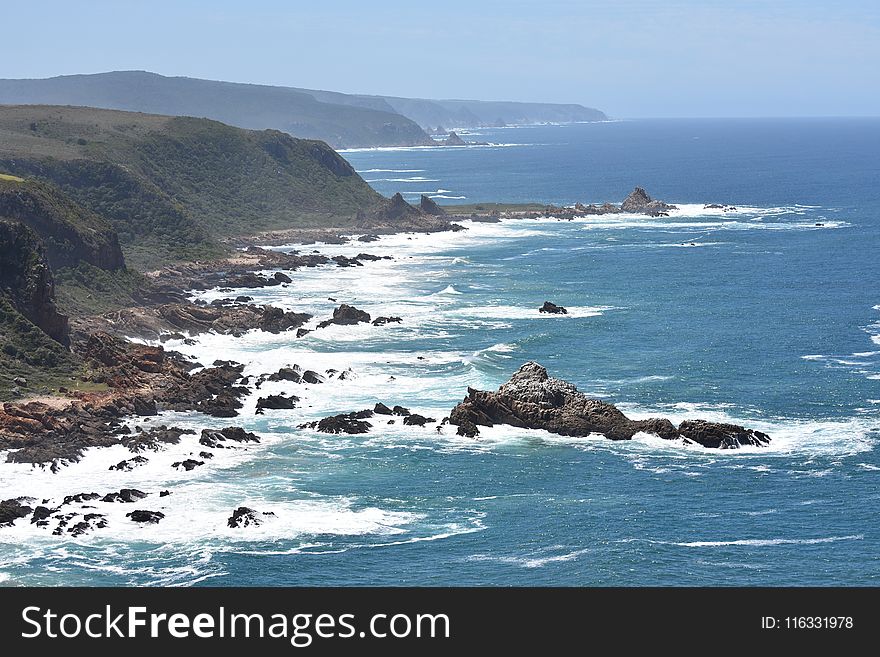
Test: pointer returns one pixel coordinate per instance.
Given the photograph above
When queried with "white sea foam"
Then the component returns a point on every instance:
(390, 171)
(768, 542)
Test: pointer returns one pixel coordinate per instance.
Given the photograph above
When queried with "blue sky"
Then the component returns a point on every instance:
(629, 58)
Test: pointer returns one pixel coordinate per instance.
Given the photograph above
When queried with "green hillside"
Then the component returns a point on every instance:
(174, 187)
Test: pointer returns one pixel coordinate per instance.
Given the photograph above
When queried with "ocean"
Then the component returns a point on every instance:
(766, 316)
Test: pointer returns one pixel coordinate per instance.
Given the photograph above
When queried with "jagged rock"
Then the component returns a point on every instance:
(368, 238)
(125, 495)
(214, 438)
(414, 419)
(350, 423)
(721, 436)
(301, 332)
(400, 410)
(553, 309)
(41, 515)
(276, 402)
(454, 140)
(188, 464)
(429, 206)
(532, 399)
(152, 517)
(312, 377)
(346, 315)
(79, 498)
(129, 464)
(382, 409)
(153, 440)
(12, 510)
(382, 321)
(638, 201)
(245, 517)
(164, 493)
(281, 277)
(343, 261)
(286, 374)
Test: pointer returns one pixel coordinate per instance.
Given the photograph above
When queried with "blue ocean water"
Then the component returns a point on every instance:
(768, 316)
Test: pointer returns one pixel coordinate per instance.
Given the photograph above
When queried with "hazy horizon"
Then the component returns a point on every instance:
(684, 59)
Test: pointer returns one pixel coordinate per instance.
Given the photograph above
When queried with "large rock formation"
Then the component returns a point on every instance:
(346, 315)
(639, 202)
(429, 206)
(26, 281)
(532, 399)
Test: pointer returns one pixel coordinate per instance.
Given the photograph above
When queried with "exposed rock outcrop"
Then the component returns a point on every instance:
(639, 202)
(532, 399)
(429, 206)
(552, 309)
(26, 280)
(346, 315)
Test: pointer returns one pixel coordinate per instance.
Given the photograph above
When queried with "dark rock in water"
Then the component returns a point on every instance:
(282, 277)
(276, 402)
(301, 332)
(12, 510)
(532, 399)
(214, 438)
(129, 464)
(276, 320)
(454, 140)
(79, 498)
(42, 513)
(414, 419)
(368, 238)
(242, 298)
(721, 436)
(382, 409)
(350, 423)
(206, 455)
(713, 206)
(312, 377)
(638, 201)
(457, 228)
(344, 261)
(145, 516)
(125, 495)
(346, 315)
(286, 374)
(400, 410)
(371, 258)
(245, 517)
(188, 464)
(251, 280)
(382, 321)
(429, 206)
(153, 440)
(144, 407)
(553, 309)
(468, 429)
(164, 493)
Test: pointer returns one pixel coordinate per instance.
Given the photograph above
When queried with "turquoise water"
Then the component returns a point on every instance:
(757, 316)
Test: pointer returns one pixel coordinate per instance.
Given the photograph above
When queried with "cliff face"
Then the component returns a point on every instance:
(26, 281)
(70, 233)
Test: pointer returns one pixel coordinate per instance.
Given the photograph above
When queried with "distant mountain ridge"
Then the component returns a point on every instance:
(342, 120)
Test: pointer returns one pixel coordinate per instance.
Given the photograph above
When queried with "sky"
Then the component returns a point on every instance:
(678, 58)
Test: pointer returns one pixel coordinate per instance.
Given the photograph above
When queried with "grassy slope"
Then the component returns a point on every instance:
(173, 188)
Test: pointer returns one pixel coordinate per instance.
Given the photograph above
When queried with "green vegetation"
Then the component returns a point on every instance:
(175, 188)
(69, 232)
(27, 352)
(88, 290)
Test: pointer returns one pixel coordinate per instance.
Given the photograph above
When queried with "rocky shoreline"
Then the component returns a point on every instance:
(142, 381)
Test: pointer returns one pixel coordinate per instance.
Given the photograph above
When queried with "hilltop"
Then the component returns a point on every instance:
(342, 120)
(174, 188)
(251, 106)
